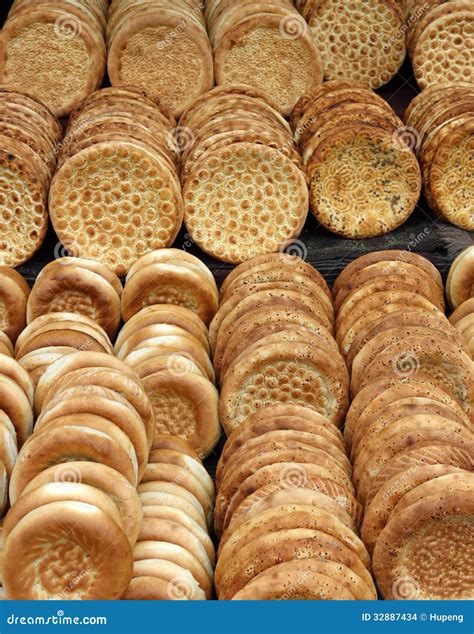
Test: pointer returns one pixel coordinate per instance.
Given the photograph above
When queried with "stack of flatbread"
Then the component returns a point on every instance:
(163, 47)
(14, 291)
(409, 429)
(361, 40)
(460, 282)
(174, 555)
(29, 136)
(169, 299)
(440, 122)
(460, 294)
(16, 418)
(116, 194)
(54, 335)
(439, 40)
(73, 487)
(463, 320)
(285, 507)
(266, 45)
(70, 285)
(244, 186)
(363, 175)
(54, 49)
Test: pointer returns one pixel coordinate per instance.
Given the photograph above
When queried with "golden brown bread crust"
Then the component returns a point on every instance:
(101, 477)
(60, 532)
(36, 41)
(444, 521)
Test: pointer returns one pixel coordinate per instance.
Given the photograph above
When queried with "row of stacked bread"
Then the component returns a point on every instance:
(116, 192)
(76, 473)
(96, 423)
(409, 426)
(285, 509)
(168, 300)
(176, 50)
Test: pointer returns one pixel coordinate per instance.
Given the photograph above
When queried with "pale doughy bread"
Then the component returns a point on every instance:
(131, 388)
(170, 472)
(105, 403)
(8, 444)
(17, 407)
(66, 333)
(152, 499)
(38, 361)
(53, 320)
(465, 309)
(12, 369)
(165, 314)
(156, 529)
(181, 583)
(156, 488)
(194, 466)
(174, 443)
